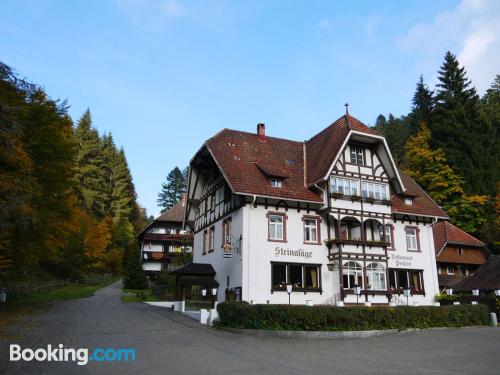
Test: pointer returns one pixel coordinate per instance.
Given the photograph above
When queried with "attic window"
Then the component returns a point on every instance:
(408, 201)
(276, 182)
(230, 144)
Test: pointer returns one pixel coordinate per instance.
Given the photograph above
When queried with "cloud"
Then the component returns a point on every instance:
(151, 14)
(471, 30)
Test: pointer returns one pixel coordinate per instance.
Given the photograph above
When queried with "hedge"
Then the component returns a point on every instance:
(327, 318)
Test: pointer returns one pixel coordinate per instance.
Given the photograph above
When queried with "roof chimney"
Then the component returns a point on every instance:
(261, 130)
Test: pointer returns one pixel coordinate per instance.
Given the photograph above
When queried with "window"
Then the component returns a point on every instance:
(401, 279)
(212, 201)
(311, 230)
(226, 231)
(464, 271)
(204, 242)
(276, 183)
(451, 270)
(295, 277)
(375, 275)
(408, 201)
(344, 186)
(352, 275)
(350, 229)
(301, 276)
(375, 191)
(388, 233)
(460, 251)
(278, 271)
(211, 237)
(311, 277)
(357, 156)
(411, 239)
(374, 231)
(227, 193)
(277, 227)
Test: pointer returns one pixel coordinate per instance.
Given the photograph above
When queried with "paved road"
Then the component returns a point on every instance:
(171, 343)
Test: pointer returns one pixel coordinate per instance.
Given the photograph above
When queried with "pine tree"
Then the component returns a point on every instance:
(172, 190)
(458, 128)
(92, 182)
(396, 132)
(422, 106)
(123, 191)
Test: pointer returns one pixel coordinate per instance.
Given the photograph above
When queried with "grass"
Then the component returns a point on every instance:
(57, 294)
(138, 295)
(16, 307)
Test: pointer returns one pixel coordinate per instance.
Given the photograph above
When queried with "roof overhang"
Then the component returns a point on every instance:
(279, 198)
(386, 158)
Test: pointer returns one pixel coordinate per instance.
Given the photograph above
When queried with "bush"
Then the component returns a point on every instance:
(326, 318)
(135, 277)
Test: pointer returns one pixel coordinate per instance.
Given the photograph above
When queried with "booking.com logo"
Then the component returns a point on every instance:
(61, 354)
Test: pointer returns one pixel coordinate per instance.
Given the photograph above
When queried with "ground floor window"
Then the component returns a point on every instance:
(403, 279)
(352, 275)
(301, 276)
(375, 275)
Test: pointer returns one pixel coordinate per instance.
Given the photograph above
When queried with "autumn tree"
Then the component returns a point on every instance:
(431, 171)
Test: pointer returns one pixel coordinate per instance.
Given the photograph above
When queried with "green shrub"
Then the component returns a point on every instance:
(327, 318)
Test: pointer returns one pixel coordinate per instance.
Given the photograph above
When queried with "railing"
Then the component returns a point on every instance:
(332, 300)
(398, 301)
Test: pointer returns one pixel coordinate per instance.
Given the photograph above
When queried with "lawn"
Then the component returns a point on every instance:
(57, 294)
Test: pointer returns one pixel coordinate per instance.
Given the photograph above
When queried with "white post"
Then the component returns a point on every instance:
(493, 317)
(203, 316)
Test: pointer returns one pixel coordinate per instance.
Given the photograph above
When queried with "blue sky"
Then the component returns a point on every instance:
(165, 75)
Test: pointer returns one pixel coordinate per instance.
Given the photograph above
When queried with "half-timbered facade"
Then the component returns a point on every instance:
(163, 242)
(324, 215)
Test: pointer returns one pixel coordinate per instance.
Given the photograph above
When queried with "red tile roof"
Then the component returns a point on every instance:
(247, 161)
(445, 232)
(322, 149)
(242, 156)
(173, 214)
(422, 202)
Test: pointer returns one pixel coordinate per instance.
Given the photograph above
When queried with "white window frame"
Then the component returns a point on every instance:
(276, 183)
(357, 155)
(356, 271)
(273, 227)
(409, 201)
(376, 275)
(370, 189)
(311, 229)
(411, 239)
(349, 186)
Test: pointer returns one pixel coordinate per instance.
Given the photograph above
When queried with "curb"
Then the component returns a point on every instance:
(333, 335)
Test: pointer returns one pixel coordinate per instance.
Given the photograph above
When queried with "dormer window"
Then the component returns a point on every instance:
(408, 201)
(357, 155)
(276, 182)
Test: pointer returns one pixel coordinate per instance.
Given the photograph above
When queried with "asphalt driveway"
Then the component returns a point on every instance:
(171, 343)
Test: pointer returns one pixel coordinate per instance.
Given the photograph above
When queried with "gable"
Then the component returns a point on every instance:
(324, 149)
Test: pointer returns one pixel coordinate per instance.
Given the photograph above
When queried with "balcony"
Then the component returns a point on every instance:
(168, 237)
(357, 198)
(155, 256)
(346, 241)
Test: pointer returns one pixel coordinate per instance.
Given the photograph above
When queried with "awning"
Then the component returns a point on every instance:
(198, 269)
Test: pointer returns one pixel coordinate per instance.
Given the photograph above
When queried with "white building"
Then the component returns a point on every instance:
(323, 215)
